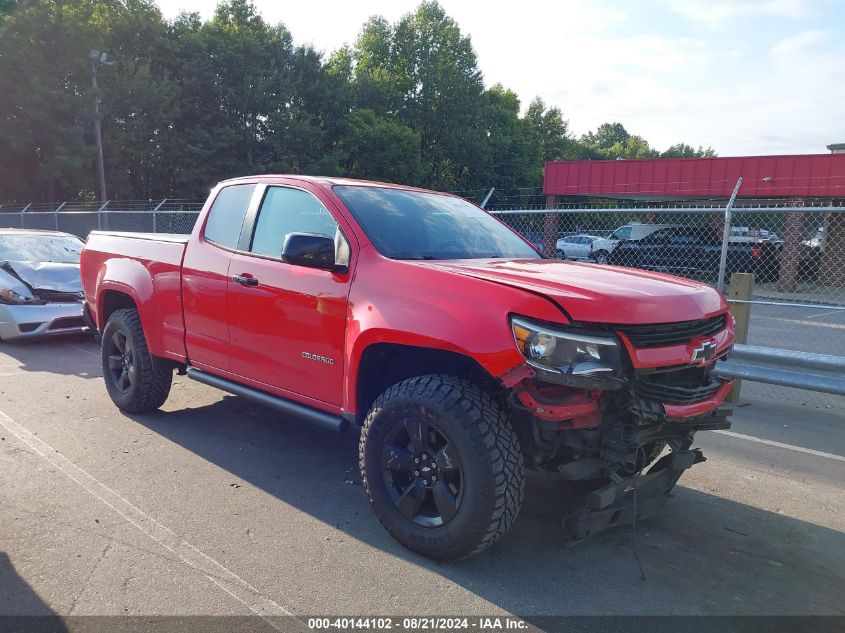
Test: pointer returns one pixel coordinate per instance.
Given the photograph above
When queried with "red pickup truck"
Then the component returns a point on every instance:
(465, 356)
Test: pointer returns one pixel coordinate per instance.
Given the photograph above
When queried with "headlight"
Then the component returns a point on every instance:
(570, 357)
(7, 295)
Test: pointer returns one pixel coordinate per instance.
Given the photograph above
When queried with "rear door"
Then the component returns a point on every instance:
(287, 326)
(205, 276)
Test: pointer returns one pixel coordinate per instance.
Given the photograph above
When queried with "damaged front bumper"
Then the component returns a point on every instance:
(34, 321)
(641, 496)
(644, 494)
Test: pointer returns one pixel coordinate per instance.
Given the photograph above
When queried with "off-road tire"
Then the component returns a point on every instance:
(152, 384)
(493, 470)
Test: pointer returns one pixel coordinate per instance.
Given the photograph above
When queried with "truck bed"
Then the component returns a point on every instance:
(151, 265)
(178, 238)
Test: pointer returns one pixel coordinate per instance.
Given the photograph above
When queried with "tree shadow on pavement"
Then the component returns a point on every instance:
(21, 608)
(703, 555)
(72, 355)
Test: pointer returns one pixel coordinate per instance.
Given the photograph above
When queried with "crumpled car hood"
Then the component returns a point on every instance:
(600, 294)
(46, 275)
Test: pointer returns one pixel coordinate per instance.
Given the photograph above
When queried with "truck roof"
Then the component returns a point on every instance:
(328, 181)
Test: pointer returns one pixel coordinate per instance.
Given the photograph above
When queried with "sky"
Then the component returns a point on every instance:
(746, 77)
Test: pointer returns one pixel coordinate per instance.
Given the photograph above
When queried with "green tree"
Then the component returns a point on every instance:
(425, 72)
(377, 148)
(551, 131)
(188, 102)
(43, 91)
(682, 150)
(375, 73)
(139, 99)
(612, 141)
(633, 147)
(606, 136)
(48, 100)
(6, 8)
(509, 146)
(306, 126)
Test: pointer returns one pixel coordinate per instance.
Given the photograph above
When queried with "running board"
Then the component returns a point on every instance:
(314, 416)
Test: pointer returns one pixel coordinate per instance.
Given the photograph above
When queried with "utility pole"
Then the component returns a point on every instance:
(97, 59)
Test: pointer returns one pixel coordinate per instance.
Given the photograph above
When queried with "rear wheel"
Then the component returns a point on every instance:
(135, 384)
(442, 466)
(600, 257)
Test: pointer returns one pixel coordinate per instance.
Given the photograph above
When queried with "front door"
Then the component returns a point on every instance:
(287, 323)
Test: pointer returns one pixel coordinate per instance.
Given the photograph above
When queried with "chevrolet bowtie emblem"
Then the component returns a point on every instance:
(704, 353)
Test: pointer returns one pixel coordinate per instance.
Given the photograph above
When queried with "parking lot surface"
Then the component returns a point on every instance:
(216, 506)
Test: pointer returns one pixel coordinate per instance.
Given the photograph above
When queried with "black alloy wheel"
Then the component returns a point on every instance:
(441, 465)
(136, 381)
(121, 362)
(422, 471)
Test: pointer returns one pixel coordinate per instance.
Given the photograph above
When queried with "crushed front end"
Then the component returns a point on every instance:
(614, 409)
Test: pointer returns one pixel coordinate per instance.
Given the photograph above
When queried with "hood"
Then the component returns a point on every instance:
(46, 275)
(600, 294)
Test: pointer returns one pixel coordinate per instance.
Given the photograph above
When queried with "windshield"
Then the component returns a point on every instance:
(622, 233)
(62, 249)
(406, 224)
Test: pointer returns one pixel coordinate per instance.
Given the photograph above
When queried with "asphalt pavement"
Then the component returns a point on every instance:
(215, 506)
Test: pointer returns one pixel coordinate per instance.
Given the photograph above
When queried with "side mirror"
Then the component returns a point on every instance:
(310, 250)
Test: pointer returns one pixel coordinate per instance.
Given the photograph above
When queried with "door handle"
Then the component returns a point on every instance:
(245, 280)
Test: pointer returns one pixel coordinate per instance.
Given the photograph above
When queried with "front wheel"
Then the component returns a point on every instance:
(442, 466)
(600, 257)
(135, 384)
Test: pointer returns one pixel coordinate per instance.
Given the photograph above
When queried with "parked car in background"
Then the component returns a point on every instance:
(603, 247)
(747, 234)
(696, 252)
(575, 246)
(40, 288)
(812, 251)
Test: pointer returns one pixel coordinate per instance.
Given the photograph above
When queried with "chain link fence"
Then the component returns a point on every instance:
(80, 218)
(796, 252)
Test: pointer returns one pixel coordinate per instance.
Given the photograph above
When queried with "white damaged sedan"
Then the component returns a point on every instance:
(40, 288)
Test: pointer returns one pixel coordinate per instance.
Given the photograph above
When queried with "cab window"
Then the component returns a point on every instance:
(226, 216)
(285, 211)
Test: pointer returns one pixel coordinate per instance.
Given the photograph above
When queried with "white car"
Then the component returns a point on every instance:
(40, 288)
(603, 247)
(741, 234)
(575, 246)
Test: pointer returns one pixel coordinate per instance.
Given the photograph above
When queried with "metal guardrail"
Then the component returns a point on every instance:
(801, 370)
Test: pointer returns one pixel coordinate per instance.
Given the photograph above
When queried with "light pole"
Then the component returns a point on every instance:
(97, 59)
